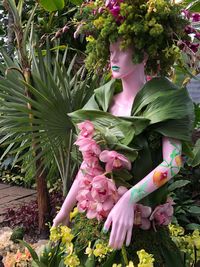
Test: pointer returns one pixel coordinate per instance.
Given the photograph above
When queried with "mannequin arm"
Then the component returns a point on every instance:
(63, 215)
(122, 218)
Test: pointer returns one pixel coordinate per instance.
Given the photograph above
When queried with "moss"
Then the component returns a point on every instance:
(156, 243)
(86, 230)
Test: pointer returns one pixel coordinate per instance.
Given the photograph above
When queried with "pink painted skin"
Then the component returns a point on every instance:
(120, 218)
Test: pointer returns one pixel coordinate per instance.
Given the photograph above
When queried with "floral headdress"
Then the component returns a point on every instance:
(153, 27)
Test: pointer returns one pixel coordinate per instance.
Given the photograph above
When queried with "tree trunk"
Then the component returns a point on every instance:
(10, 35)
(43, 200)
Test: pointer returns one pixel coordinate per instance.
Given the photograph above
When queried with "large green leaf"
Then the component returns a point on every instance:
(104, 95)
(52, 5)
(170, 110)
(110, 126)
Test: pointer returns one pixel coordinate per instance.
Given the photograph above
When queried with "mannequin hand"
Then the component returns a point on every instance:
(61, 218)
(122, 218)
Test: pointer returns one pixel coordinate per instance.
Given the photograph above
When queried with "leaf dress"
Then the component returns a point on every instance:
(159, 109)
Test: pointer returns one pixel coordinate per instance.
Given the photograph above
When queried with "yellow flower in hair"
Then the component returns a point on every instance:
(145, 259)
(98, 23)
(72, 260)
(90, 38)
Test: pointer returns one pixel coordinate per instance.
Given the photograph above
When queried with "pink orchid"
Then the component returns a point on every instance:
(114, 160)
(162, 214)
(186, 13)
(114, 8)
(142, 214)
(84, 197)
(77, 32)
(189, 29)
(88, 146)
(91, 168)
(103, 188)
(86, 129)
(85, 182)
(195, 17)
(100, 210)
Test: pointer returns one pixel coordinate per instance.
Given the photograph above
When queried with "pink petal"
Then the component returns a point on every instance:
(108, 204)
(145, 224)
(122, 190)
(145, 210)
(91, 214)
(109, 166)
(104, 156)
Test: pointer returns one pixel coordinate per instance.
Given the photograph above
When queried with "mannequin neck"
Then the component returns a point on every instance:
(132, 83)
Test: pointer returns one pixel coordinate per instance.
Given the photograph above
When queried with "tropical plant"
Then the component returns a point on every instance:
(55, 93)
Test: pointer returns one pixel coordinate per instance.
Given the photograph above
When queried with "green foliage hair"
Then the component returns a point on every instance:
(151, 27)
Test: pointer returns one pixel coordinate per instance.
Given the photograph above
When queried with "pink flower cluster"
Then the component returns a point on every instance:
(193, 17)
(97, 194)
(161, 215)
(114, 8)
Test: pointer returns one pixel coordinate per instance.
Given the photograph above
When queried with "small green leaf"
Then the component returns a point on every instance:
(178, 184)
(90, 262)
(76, 2)
(194, 209)
(2, 32)
(193, 226)
(111, 259)
(52, 5)
(196, 151)
(124, 174)
(195, 7)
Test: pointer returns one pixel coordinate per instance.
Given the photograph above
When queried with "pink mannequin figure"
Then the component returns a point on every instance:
(121, 217)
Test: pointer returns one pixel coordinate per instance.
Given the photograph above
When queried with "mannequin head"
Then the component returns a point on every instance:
(121, 62)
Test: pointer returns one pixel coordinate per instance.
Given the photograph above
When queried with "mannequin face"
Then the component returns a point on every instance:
(121, 61)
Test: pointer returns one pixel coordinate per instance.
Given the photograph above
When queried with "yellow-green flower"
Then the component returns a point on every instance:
(90, 38)
(55, 234)
(116, 265)
(89, 250)
(73, 213)
(130, 264)
(100, 250)
(69, 248)
(66, 234)
(145, 259)
(176, 230)
(98, 23)
(72, 260)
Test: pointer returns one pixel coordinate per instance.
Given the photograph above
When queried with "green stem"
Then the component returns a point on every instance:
(124, 254)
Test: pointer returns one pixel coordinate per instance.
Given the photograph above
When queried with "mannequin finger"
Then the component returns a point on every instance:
(107, 224)
(112, 235)
(119, 230)
(128, 237)
(122, 238)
